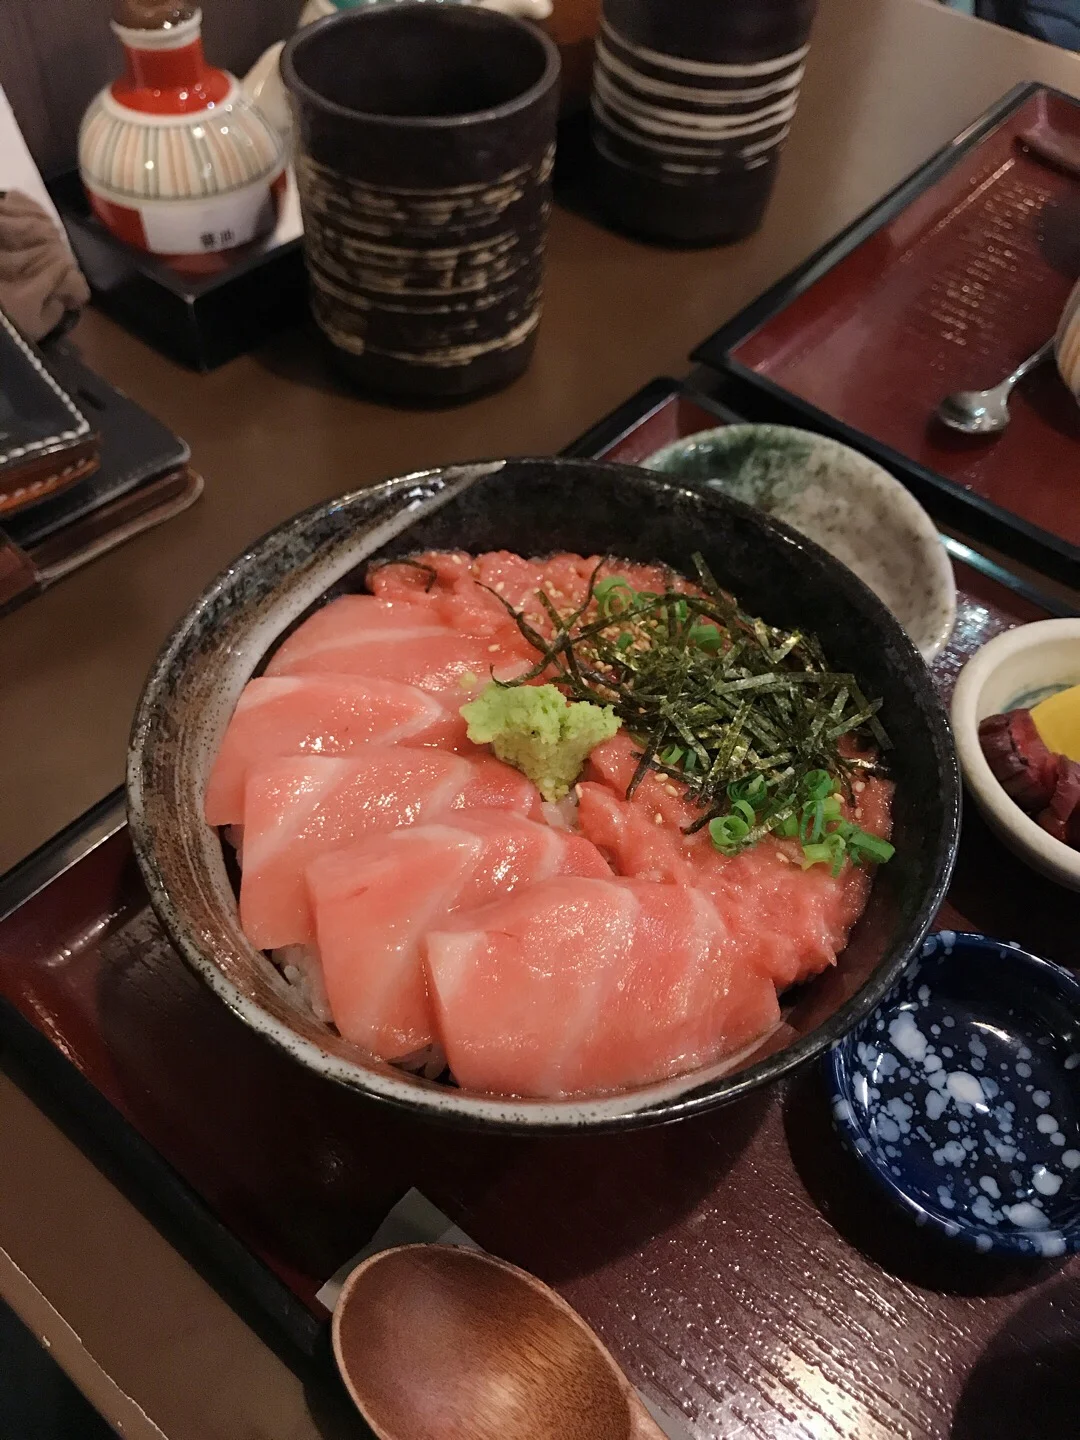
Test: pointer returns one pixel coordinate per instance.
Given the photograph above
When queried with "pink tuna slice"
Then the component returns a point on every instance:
(792, 923)
(298, 808)
(461, 592)
(582, 986)
(320, 715)
(375, 901)
(359, 635)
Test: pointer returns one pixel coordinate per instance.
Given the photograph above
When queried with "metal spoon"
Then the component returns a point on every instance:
(986, 412)
(437, 1343)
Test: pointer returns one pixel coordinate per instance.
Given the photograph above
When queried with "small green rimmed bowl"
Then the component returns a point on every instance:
(846, 503)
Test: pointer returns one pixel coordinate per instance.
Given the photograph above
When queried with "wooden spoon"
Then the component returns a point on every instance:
(438, 1343)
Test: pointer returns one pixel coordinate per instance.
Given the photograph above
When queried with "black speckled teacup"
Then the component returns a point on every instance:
(426, 135)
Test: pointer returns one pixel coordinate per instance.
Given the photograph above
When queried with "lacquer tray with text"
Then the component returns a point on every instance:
(946, 285)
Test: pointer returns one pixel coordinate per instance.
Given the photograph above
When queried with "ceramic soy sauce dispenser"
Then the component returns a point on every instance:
(174, 156)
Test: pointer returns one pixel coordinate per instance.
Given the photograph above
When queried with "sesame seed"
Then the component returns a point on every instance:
(858, 812)
(577, 791)
(493, 649)
(658, 819)
(859, 787)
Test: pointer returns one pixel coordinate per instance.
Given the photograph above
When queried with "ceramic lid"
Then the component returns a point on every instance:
(152, 14)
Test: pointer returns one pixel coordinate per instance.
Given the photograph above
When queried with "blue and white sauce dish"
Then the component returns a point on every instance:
(960, 1094)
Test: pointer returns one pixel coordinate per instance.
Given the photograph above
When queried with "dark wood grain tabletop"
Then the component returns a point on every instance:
(784, 1316)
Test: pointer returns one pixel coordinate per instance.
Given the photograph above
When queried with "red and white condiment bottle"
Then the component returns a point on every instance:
(174, 158)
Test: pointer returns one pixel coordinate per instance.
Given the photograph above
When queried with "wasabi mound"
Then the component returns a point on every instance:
(538, 731)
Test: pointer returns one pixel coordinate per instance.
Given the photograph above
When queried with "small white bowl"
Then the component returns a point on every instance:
(1003, 675)
(838, 498)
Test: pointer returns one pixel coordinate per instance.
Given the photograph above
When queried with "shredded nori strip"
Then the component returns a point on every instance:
(693, 673)
(429, 570)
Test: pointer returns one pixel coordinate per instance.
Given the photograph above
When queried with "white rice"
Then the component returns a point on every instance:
(302, 968)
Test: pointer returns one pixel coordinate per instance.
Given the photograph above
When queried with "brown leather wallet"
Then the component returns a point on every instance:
(46, 443)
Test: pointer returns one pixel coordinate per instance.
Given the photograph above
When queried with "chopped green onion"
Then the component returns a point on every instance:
(751, 788)
(740, 807)
(863, 846)
(706, 637)
(671, 756)
(829, 851)
(816, 784)
(728, 833)
(812, 822)
(607, 591)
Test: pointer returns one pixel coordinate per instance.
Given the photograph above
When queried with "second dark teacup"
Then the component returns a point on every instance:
(425, 139)
(692, 101)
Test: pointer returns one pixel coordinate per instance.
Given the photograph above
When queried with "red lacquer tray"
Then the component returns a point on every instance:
(946, 285)
(740, 1265)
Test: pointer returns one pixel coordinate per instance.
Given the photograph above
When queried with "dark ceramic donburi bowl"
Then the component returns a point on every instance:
(531, 506)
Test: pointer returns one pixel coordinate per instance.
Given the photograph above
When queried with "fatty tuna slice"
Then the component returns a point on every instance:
(285, 715)
(375, 901)
(409, 643)
(298, 808)
(585, 986)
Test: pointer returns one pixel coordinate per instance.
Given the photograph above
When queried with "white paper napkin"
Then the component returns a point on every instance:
(17, 168)
(414, 1220)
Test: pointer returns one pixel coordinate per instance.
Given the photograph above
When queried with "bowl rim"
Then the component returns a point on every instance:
(837, 1072)
(915, 514)
(1050, 856)
(676, 1098)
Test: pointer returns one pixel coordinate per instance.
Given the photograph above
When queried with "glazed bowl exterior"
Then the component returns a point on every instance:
(532, 507)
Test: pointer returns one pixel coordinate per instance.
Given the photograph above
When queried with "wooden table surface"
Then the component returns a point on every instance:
(155, 1347)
